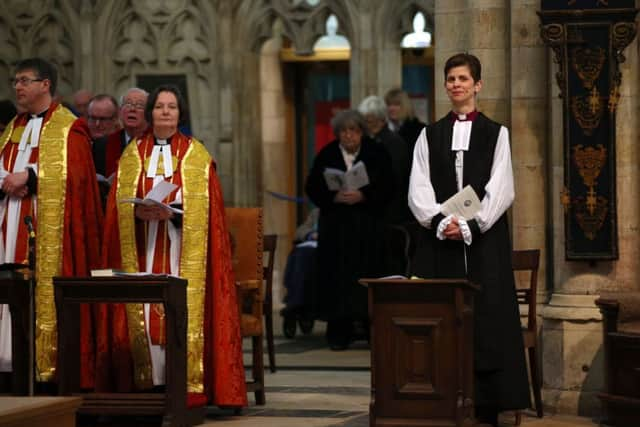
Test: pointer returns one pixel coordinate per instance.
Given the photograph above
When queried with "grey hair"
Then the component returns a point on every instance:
(345, 117)
(132, 89)
(375, 106)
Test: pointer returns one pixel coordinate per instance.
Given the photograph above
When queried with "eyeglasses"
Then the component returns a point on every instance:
(24, 81)
(98, 119)
(133, 106)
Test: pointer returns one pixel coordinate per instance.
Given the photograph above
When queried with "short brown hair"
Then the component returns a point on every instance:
(462, 59)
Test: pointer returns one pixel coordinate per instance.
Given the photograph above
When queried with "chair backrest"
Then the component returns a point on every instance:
(269, 246)
(245, 228)
(528, 260)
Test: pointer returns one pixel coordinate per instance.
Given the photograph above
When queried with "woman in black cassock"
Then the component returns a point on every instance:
(350, 227)
(466, 148)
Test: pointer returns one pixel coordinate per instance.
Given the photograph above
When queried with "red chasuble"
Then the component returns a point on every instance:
(215, 368)
(67, 217)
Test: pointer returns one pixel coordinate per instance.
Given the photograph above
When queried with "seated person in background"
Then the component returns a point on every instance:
(193, 245)
(299, 272)
(350, 226)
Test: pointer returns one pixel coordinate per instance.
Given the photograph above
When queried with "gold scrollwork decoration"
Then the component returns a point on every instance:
(589, 161)
(587, 110)
(587, 62)
(555, 36)
(622, 33)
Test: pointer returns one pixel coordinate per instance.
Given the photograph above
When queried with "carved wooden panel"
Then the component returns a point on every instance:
(415, 356)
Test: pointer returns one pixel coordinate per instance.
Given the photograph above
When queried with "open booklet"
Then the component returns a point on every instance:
(155, 197)
(464, 204)
(354, 178)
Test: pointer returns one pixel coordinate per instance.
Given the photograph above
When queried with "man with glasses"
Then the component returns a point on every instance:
(102, 116)
(46, 174)
(134, 124)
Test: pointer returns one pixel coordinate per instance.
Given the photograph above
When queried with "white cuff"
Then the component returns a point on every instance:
(442, 226)
(466, 231)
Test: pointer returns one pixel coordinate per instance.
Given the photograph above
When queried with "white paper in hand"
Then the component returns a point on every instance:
(464, 204)
(155, 197)
(160, 191)
(356, 177)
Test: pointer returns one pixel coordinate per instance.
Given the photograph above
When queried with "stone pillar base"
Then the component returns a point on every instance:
(572, 356)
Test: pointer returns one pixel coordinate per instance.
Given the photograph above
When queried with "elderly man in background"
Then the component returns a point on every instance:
(107, 150)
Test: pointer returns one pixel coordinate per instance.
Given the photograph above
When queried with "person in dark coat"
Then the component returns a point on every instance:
(397, 213)
(402, 119)
(349, 228)
(467, 148)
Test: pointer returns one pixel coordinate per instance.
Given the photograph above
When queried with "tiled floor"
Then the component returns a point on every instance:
(316, 387)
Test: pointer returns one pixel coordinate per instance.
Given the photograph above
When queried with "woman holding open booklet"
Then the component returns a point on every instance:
(460, 188)
(165, 214)
(351, 182)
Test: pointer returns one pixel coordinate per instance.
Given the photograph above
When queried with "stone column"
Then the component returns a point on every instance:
(277, 159)
(364, 58)
(489, 41)
(529, 133)
(572, 329)
(451, 36)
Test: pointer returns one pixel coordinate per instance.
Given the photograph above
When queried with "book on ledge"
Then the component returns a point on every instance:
(354, 178)
(111, 272)
(155, 197)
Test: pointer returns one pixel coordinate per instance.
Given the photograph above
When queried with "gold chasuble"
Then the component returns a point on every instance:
(194, 169)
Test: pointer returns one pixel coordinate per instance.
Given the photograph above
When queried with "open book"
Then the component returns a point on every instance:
(155, 197)
(464, 204)
(354, 178)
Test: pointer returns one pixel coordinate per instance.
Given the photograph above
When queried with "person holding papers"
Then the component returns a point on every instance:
(460, 188)
(182, 234)
(351, 182)
(46, 175)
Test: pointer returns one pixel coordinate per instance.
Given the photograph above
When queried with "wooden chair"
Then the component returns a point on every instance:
(245, 227)
(529, 260)
(269, 246)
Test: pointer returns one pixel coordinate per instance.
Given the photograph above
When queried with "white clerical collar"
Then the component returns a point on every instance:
(161, 146)
(31, 133)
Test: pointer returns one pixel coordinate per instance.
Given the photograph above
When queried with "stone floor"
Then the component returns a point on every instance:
(316, 387)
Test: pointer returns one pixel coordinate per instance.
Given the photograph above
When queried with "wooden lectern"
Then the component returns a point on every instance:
(171, 291)
(16, 289)
(421, 352)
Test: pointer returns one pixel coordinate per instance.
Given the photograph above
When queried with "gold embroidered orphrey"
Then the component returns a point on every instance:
(193, 259)
(52, 180)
